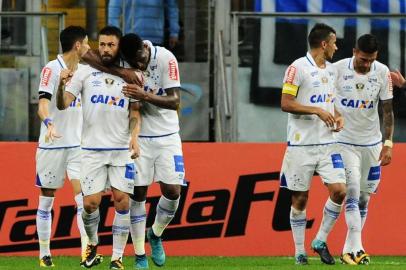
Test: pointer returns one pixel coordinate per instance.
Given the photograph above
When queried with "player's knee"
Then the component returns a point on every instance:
(90, 205)
(299, 200)
(122, 202)
(139, 194)
(171, 192)
(338, 195)
(364, 200)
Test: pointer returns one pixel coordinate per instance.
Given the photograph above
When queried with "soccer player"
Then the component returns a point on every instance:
(308, 95)
(162, 159)
(58, 151)
(363, 82)
(110, 130)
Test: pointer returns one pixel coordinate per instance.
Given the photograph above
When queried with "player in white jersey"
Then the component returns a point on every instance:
(362, 83)
(161, 158)
(308, 94)
(110, 130)
(58, 150)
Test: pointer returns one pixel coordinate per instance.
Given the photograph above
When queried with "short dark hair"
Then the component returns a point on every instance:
(367, 43)
(130, 46)
(320, 32)
(70, 35)
(110, 30)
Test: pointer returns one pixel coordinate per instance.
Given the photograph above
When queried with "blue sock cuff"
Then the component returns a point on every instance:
(123, 212)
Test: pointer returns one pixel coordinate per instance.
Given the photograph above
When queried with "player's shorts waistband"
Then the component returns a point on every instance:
(318, 144)
(59, 147)
(360, 145)
(105, 149)
(157, 136)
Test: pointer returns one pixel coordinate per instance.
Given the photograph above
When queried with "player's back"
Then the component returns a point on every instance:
(68, 122)
(358, 96)
(162, 73)
(315, 87)
(105, 109)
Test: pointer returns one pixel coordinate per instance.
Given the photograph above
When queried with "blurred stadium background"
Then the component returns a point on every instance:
(232, 56)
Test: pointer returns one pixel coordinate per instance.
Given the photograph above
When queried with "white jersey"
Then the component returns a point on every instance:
(315, 87)
(358, 97)
(162, 73)
(68, 122)
(105, 109)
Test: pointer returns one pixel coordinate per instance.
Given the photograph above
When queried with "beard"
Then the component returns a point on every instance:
(108, 59)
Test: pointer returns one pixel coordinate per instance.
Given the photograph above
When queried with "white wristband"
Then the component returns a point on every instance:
(388, 143)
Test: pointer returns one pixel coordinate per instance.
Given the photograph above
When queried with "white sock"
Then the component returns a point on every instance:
(83, 236)
(330, 214)
(137, 228)
(363, 207)
(121, 227)
(91, 224)
(353, 219)
(44, 222)
(165, 211)
(298, 226)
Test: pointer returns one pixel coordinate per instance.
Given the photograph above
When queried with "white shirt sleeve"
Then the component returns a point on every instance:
(75, 85)
(293, 75)
(49, 80)
(387, 87)
(170, 71)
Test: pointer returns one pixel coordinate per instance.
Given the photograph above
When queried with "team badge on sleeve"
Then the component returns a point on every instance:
(46, 75)
(173, 70)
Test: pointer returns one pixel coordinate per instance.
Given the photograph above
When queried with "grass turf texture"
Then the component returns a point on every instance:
(200, 263)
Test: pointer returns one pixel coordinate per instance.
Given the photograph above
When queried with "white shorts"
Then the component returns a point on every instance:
(161, 160)
(300, 163)
(51, 165)
(362, 165)
(104, 169)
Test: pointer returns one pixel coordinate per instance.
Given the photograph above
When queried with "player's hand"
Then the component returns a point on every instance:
(133, 76)
(51, 135)
(385, 157)
(65, 75)
(397, 78)
(339, 123)
(134, 91)
(327, 118)
(134, 148)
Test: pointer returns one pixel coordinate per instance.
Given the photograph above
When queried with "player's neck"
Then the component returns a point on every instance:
(318, 57)
(71, 60)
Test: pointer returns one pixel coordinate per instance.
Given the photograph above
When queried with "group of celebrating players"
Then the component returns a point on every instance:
(111, 123)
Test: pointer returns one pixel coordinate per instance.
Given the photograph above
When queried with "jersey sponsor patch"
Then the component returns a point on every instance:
(45, 76)
(291, 74)
(337, 161)
(390, 85)
(290, 89)
(173, 70)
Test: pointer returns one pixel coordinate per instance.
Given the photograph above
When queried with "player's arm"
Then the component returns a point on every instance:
(171, 101)
(388, 126)
(134, 126)
(398, 79)
(290, 105)
(64, 98)
(129, 75)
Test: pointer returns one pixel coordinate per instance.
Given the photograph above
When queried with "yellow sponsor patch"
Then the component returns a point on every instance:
(289, 89)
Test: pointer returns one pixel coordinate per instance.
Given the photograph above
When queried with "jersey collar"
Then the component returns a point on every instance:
(59, 58)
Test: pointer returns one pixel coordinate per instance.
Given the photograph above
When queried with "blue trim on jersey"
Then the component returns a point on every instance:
(361, 145)
(349, 64)
(309, 60)
(61, 147)
(38, 181)
(156, 50)
(63, 65)
(104, 149)
(311, 144)
(158, 136)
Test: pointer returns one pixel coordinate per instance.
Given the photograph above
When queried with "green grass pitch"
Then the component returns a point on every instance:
(202, 263)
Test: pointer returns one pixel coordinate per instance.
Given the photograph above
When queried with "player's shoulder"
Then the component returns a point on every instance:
(163, 53)
(380, 67)
(53, 65)
(343, 63)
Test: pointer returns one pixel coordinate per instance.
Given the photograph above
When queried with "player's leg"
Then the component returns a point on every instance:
(169, 172)
(121, 175)
(73, 172)
(331, 170)
(138, 214)
(296, 174)
(93, 178)
(352, 162)
(50, 167)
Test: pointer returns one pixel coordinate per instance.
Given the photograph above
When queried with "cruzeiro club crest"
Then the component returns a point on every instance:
(359, 86)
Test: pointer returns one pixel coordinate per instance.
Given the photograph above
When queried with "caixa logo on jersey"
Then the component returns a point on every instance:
(108, 100)
(207, 214)
(323, 98)
(357, 103)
